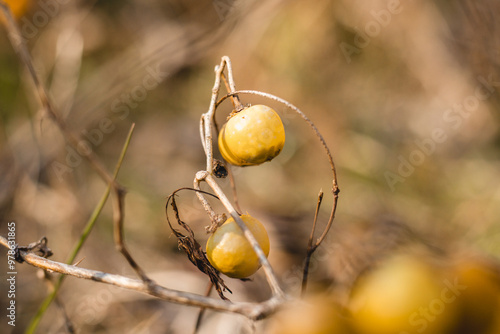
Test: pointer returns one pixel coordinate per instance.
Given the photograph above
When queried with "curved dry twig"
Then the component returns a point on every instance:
(310, 246)
(304, 117)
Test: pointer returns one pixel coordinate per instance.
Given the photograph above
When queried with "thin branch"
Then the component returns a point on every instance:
(250, 310)
(208, 117)
(215, 218)
(310, 246)
(202, 133)
(118, 218)
(234, 98)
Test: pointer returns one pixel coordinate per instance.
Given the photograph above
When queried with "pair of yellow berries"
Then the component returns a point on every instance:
(250, 137)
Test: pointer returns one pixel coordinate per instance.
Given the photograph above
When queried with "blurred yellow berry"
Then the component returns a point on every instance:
(405, 295)
(252, 136)
(480, 298)
(230, 252)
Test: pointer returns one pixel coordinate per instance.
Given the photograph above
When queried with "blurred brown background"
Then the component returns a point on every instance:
(406, 94)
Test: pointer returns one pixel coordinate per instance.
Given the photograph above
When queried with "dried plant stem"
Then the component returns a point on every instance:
(249, 310)
(207, 118)
(214, 217)
(234, 98)
(310, 246)
(118, 218)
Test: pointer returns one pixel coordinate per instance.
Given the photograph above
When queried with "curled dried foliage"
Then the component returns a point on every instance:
(38, 247)
(193, 249)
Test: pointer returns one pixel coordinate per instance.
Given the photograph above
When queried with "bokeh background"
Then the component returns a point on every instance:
(405, 93)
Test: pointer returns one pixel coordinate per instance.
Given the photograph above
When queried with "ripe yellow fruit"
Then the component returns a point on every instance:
(230, 252)
(252, 136)
(405, 295)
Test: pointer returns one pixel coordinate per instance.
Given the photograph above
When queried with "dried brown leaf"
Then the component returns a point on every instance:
(193, 249)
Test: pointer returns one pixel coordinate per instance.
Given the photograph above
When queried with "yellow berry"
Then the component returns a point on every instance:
(252, 136)
(404, 295)
(230, 252)
(479, 297)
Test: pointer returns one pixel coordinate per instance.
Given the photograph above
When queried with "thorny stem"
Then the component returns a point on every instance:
(271, 278)
(253, 311)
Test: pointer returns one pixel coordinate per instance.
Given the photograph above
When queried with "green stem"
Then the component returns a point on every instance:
(86, 232)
